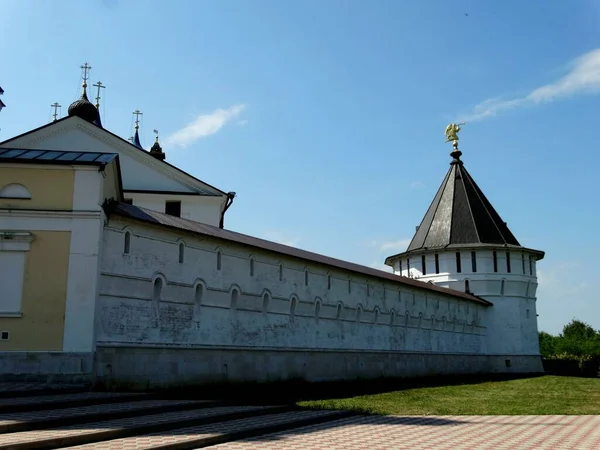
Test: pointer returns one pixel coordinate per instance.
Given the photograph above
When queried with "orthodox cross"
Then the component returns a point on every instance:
(55, 106)
(156, 133)
(137, 114)
(99, 86)
(86, 68)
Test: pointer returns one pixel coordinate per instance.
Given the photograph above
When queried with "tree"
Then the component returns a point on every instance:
(548, 344)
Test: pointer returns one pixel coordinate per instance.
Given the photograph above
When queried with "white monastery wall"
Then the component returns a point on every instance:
(229, 312)
(265, 300)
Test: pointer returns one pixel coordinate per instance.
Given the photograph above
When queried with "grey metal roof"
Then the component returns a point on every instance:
(165, 220)
(22, 155)
(460, 215)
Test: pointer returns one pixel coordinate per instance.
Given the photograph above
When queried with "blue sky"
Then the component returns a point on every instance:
(327, 118)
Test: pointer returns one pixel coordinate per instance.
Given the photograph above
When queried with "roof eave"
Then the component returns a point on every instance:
(538, 253)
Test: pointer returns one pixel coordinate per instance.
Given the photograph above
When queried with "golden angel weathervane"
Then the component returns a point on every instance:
(452, 133)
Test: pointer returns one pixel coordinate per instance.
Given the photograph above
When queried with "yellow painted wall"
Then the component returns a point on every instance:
(44, 295)
(49, 188)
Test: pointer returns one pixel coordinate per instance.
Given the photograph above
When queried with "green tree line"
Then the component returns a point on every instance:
(577, 339)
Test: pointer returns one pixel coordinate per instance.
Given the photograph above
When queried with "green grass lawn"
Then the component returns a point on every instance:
(539, 395)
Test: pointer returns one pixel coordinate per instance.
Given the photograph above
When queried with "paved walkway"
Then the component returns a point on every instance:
(37, 417)
(436, 432)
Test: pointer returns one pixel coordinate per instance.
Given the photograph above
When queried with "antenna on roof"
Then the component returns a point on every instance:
(55, 106)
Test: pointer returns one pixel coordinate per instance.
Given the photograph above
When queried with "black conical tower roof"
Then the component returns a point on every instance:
(460, 214)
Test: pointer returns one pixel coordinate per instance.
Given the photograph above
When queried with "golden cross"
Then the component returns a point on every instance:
(55, 106)
(137, 114)
(99, 86)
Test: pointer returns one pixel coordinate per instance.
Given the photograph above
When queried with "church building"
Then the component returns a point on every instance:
(116, 266)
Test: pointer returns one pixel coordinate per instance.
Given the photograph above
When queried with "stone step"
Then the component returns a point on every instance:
(15, 389)
(21, 404)
(36, 420)
(114, 429)
(202, 436)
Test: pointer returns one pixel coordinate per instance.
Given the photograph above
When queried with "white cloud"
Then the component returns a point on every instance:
(281, 238)
(381, 266)
(202, 126)
(416, 185)
(583, 77)
(394, 246)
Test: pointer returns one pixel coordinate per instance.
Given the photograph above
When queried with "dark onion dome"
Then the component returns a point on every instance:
(156, 151)
(84, 109)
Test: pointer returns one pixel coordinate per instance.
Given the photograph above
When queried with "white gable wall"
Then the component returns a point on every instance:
(135, 174)
(204, 209)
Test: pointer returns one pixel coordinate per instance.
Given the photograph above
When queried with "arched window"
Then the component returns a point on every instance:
(338, 312)
(280, 272)
(317, 309)
(467, 287)
(328, 282)
(502, 287)
(266, 299)
(376, 318)
(235, 294)
(219, 260)
(199, 292)
(15, 190)
(181, 252)
(293, 305)
(251, 267)
(157, 291)
(127, 243)
(392, 317)
(306, 277)
(358, 313)
(349, 286)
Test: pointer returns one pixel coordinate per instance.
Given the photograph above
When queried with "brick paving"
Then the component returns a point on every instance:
(26, 437)
(202, 432)
(435, 432)
(69, 413)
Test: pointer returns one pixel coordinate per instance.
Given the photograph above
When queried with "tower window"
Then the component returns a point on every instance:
(458, 265)
(530, 265)
(173, 208)
(467, 287)
(328, 282)
(474, 262)
(508, 262)
(423, 265)
(437, 263)
(280, 272)
(523, 262)
(495, 257)
(306, 277)
(349, 286)
(219, 260)
(251, 267)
